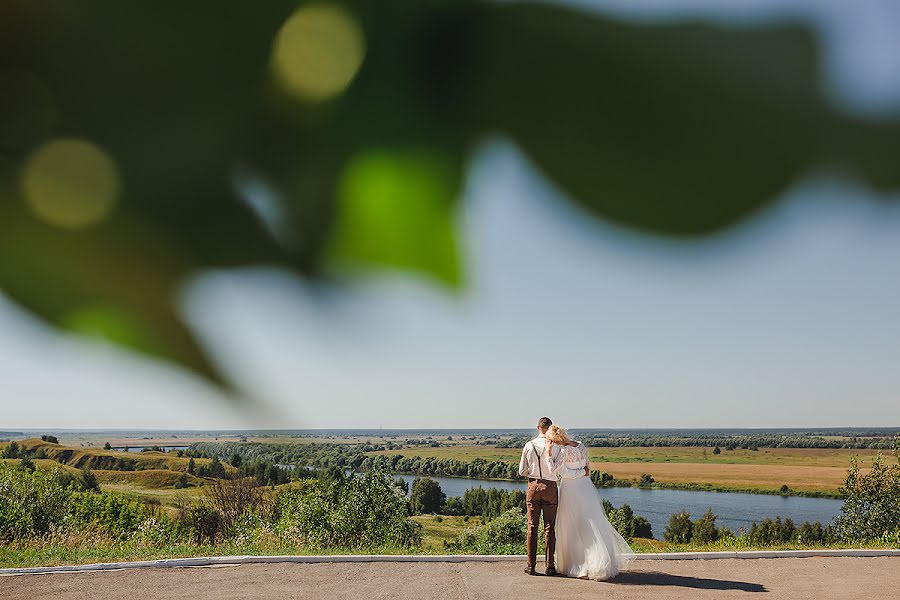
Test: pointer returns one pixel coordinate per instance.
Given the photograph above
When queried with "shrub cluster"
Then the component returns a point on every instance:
(502, 535)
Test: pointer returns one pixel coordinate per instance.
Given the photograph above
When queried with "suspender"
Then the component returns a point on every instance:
(540, 469)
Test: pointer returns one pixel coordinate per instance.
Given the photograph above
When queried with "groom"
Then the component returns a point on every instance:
(542, 495)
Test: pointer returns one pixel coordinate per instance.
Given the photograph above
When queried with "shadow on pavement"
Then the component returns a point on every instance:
(652, 578)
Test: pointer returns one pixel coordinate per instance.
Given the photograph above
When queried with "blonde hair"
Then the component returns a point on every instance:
(558, 435)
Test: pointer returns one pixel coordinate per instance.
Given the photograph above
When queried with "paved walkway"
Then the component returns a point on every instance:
(789, 578)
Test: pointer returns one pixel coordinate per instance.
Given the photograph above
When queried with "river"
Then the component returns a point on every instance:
(734, 510)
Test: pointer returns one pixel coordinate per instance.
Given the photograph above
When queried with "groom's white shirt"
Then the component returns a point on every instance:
(530, 466)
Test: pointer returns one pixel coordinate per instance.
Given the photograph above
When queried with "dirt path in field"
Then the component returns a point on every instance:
(788, 578)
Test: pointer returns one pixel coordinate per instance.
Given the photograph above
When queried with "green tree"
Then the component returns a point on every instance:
(680, 528)
(871, 507)
(717, 450)
(235, 460)
(704, 528)
(427, 496)
(50, 438)
(181, 482)
(642, 528)
(402, 485)
(11, 450)
(107, 446)
(215, 468)
(192, 466)
(622, 519)
(646, 480)
(810, 533)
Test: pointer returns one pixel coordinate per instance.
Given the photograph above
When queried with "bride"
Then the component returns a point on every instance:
(587, 545)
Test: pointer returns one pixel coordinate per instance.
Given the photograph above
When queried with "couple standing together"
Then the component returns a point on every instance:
(580, 540)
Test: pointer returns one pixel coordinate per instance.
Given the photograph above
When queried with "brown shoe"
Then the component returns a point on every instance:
(530, 571)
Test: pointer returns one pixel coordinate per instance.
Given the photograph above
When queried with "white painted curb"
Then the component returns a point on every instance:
(208, 561)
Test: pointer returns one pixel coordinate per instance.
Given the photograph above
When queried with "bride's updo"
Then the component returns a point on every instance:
(558, 435)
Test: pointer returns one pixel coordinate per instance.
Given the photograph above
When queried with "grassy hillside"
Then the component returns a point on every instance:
(108, 460)
(150, 478)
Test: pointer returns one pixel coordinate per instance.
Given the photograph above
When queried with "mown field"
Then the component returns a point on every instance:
(802, 469)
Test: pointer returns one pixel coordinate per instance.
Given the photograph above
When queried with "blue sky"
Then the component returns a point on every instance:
(789, 320)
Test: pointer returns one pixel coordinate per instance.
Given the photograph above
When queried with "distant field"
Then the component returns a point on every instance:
(97, 440)
(802, 469)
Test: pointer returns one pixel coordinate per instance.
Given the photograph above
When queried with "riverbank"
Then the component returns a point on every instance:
(663, 485)
(808, 472)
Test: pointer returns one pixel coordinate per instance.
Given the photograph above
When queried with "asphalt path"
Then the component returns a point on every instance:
(790, 578)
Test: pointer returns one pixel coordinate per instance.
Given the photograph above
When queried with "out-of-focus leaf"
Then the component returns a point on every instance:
(395, 209)
(675, 128)
(119, 284)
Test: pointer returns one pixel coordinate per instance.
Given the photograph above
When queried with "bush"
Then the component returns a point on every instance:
(704, 529)
(231, 498)
(872, 502)
(181, 482)
(88, 481)
(115, 515)
(646, 480)
(771, 532)
(680, 529)
(367, 511)
(31, 502)
(503, 535)
(203, 522)
(50, 438)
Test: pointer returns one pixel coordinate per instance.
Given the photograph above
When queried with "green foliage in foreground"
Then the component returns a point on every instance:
(363, 512)
(52, 517)
(503, 535)
(368, 510)
(872, 506)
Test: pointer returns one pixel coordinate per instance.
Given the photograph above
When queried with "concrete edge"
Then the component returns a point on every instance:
(207, 561)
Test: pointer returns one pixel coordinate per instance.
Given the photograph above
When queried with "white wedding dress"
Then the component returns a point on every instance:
(587, 545)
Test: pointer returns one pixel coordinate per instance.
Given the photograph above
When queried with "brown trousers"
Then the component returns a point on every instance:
(542, 497)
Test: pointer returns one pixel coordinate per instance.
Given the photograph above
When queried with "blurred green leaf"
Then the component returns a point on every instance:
(395, 209)
(676, 129)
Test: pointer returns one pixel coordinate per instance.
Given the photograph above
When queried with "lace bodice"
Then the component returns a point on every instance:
(575, 457)
(570, 462)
